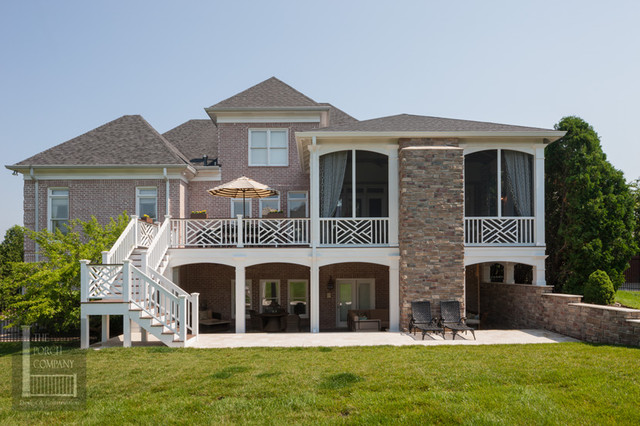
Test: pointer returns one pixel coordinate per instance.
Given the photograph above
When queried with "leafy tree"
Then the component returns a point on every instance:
(11, 249)
(48, 292)
(589, 210)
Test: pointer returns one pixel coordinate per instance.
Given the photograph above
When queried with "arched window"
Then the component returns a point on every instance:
(354, 184)
(507, 196)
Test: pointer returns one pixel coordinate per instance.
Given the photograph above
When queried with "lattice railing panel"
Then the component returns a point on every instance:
(276, 232)
(500, 231)
(351, 232)
(146, 233)
(203, 232)
(105, 282)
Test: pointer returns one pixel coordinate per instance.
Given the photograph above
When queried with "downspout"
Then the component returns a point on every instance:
(37, 212)
(166, 191)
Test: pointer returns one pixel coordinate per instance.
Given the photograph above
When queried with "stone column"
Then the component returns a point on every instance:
(431, 224)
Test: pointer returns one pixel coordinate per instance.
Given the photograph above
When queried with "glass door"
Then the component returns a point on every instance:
(354, 294)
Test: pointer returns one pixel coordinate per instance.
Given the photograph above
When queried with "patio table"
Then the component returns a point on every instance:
(273, 321)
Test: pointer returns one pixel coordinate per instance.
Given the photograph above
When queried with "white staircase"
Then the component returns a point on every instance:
(130, 282)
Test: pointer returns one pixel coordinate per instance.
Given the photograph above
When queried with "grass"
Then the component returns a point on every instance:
(505, 384)
(630, 299)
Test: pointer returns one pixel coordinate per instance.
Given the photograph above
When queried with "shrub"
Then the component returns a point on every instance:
(599, 289)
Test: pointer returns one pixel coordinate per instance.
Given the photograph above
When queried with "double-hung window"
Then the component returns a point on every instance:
(268, 147)
(147, 202)
(297, 204)
(269, 293)
(269, 204)
(298, 297)
(58, 209)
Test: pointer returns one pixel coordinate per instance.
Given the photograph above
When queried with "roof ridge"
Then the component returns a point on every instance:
(258, 93)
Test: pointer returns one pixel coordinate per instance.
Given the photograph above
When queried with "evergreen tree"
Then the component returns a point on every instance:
(589, 211)
(11, 249)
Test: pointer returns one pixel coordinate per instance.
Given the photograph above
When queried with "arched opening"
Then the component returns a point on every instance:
(354, 183)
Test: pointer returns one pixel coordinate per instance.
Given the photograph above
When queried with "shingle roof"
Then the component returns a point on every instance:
(271, 93)
(337, 116)
(128, 140)
(420, 123)
(194, 139)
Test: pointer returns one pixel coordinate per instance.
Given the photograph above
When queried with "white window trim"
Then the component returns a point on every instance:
(306, 202)
(262, 288)
(235, 213)
(247, 283)
(268, 148)
(277, 197)
(138, 197)
(306, 300)
(50, 197)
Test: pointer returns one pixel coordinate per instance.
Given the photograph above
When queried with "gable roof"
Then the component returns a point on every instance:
(128, 140)
(337, 116)
(271, 93)
(421, 123)
(194, 139)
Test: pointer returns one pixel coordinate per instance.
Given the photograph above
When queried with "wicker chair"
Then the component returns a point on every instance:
(421, 319)
(450, 312)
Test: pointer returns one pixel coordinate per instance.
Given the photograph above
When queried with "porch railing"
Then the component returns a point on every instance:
(354, 231)
(499, 231)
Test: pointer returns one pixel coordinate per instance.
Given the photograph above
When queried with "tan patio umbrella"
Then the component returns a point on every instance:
(248, 187)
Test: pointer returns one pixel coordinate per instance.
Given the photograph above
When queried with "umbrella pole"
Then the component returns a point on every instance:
(244, 205)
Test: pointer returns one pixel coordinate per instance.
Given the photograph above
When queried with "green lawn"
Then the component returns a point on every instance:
(572, 383)
(628, 298)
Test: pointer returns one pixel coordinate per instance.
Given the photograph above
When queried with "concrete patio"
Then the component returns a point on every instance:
(232, 340)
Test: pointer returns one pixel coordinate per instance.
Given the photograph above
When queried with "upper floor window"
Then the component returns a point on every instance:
(269, 204)
(147, 202)
(498, 182)
(237, 207)
(297, 204)
(58, 209)
(268, 147)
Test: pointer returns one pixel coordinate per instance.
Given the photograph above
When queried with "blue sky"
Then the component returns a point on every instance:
(69, 66)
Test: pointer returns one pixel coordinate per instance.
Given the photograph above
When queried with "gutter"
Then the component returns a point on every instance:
(37, 212)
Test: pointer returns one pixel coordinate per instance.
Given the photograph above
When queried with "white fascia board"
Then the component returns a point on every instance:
(268, 118)
(207, 174)
(551, 135)
(101, 173)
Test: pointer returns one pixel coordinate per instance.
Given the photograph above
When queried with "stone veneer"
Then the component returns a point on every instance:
(530, 306)
(431, 235)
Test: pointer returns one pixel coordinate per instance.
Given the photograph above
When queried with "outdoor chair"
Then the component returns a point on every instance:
(421, 319)
(255, 320)
(450, 313)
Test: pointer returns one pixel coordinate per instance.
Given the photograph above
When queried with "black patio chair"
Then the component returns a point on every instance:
(421, 319)
(451, 319)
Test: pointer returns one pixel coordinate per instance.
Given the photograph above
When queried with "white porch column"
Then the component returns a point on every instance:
(539, 273)
(105, 328)
(394, 295)
(84, 331)
(240, 303)
(509, 277)
(314, 311)
(393, 195)
(314, 196)
(539, 197)
(126, 331)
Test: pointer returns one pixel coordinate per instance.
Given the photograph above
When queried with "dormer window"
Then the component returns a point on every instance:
(268, 147)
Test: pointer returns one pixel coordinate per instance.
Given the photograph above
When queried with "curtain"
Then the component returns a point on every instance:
(332, 169)
(518, 171)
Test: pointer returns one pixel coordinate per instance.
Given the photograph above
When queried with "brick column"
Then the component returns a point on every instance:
(431, 219)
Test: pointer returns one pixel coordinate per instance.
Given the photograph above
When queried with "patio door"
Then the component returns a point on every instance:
(354, 294)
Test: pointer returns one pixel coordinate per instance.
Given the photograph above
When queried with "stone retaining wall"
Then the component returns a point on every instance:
(530, 306)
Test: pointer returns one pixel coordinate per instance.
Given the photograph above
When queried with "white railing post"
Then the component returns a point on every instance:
(240, 232)
(126, 281)
(105, 258)
(84, 280)
(183, 317)
(195, 315)
(136, 230)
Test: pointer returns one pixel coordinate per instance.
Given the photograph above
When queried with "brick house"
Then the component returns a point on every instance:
(376, 213)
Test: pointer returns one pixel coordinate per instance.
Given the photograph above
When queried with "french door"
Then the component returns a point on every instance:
(354, 294)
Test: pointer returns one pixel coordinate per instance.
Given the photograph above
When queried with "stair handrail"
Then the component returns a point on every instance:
(124, 245)
(165, 307)
(158, 247)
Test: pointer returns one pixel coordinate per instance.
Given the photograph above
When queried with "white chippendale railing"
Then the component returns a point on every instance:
(275, 232)
(146, 233)
(159, 246)
(204, 232)
(354, 231)
(101, 281)
(513, 231)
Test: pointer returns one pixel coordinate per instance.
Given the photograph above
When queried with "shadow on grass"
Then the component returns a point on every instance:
(340, 381)
(225, 373)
